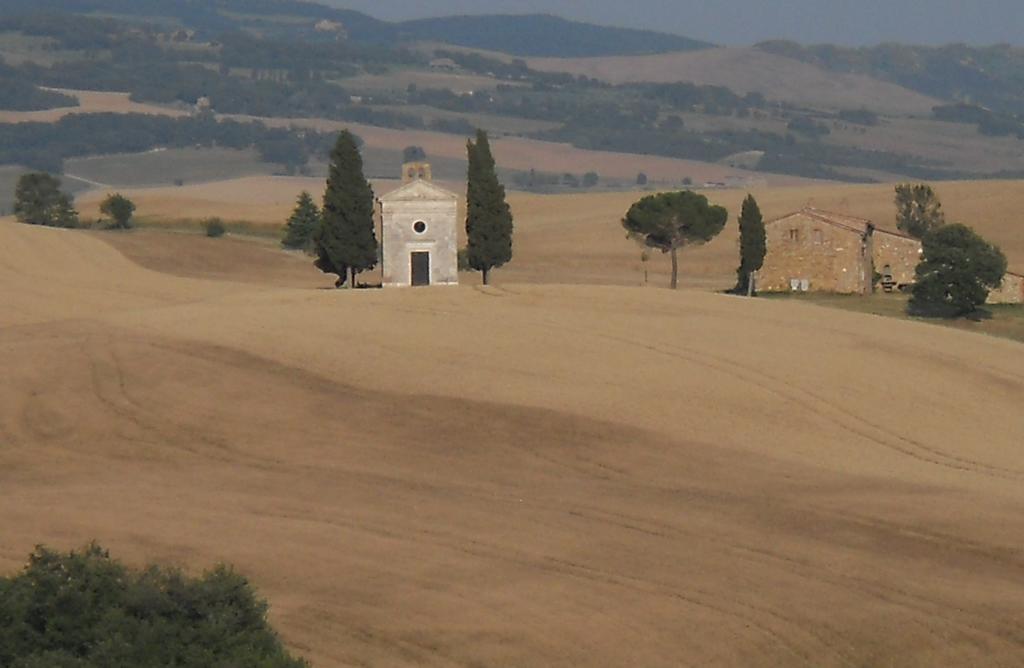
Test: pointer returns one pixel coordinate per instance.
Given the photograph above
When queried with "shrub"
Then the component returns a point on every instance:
(86, 610)
(120, 210)
(38, 200)
(214, 227)
(859, 116)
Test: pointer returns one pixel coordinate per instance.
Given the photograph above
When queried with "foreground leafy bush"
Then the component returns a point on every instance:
(85, 610)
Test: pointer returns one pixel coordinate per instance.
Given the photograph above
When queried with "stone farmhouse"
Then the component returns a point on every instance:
(820, 251)
(444, 65)
(419, 231)
(1010, 292)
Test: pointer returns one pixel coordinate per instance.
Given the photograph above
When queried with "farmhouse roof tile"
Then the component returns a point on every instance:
(841, 220)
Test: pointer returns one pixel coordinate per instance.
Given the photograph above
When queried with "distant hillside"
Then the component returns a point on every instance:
(213, 17)
(544, 35)
(992, 76)
(748, 70)
(285, 59)
(523, 35)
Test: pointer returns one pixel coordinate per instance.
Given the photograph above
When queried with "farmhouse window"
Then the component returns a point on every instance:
(794, 234)
(818, 237)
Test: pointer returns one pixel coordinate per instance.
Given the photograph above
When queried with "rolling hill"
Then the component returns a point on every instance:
(750, 70)
(701, 112)
(543, 35)
(521, 475)
(521, 34)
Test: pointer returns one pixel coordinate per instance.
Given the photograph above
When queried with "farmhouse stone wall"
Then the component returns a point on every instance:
(804, 252)
(1010, 292)
(812, 250)
(900, 253)
(419, 217)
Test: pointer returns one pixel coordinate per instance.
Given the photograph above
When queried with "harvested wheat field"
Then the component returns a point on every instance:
(516, 152)
(749, 70)
(90, 102)
(524, 154)
(578, 238)
(522, 475)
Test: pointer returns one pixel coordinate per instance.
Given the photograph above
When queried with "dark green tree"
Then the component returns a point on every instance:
(65, 214)
(590, 179)
(753, 244)
(956, 272)
(346, 240)
(488, 217)
(413, 154)
(119, 209)
(918, 210)
(641, 179)
(670, 221)
(38, 200)
(302, 225)
(85, 610)
(214, 227)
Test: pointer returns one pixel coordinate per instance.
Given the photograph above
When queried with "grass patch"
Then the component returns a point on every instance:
(161, 167)
(17, 49)
(237, 228)
(1002, 320)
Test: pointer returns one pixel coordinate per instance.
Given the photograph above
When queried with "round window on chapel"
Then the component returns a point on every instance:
(419, 227)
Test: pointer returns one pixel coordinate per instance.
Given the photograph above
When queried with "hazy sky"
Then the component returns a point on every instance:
(748, 21)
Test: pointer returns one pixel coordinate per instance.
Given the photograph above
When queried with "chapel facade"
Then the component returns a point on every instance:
(419, 232)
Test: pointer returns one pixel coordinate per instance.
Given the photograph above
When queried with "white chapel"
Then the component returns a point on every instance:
(419, 231)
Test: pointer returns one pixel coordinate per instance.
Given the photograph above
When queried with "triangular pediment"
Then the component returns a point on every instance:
(418, 191)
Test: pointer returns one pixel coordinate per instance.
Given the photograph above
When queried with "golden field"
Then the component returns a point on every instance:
(520, 474)
(89, 102)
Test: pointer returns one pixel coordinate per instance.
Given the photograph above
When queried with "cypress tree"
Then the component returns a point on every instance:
(488, 217)
(753, 244)
(918, 210)
(346, 240)
(302, 225)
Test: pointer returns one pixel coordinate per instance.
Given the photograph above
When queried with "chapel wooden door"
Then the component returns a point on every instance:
(420, 268)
